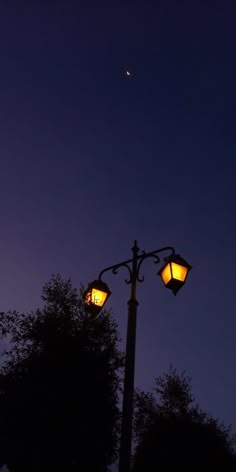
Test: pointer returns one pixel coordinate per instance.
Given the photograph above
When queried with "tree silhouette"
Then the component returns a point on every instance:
(173, 433)
(59, 386)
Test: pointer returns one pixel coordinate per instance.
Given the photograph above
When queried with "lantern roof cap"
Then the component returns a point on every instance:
(177, 259)
(99, 285)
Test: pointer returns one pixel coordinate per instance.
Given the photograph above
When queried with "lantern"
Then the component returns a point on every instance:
(174, 273)
(96, 296)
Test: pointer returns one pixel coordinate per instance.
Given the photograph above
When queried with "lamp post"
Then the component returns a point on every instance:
(174, 274)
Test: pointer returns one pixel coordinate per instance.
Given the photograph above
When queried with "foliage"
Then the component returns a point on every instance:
(172, 432)
(59, 386)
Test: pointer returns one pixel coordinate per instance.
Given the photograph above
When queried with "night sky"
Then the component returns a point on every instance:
(91, 159)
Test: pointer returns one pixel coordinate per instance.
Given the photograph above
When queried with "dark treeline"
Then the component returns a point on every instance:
(60, 386)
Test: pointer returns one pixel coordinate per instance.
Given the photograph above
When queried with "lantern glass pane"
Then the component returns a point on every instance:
(98, 297)
(179, 272)
(166, 274)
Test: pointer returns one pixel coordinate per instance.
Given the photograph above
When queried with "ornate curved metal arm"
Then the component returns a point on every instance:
(140, 258)
(156, 261)
(115, 268)
(154, 255)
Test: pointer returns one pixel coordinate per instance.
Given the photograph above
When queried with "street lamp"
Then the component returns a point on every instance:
(96, 296)
(174, 274)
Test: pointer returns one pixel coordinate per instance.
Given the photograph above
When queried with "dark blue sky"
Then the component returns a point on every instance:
(91, 160)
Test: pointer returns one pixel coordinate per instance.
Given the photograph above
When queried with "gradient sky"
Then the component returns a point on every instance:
(91, 160)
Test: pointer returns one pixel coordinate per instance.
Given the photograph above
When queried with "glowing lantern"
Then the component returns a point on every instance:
(96, 296)
(174, 273)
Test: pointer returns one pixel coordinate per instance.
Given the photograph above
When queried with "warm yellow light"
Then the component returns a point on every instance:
(179, 272)
(175, 272)
(166, 274)
(98, 297)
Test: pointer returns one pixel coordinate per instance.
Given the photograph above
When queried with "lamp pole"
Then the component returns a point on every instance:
(133, 265)
(126, 428)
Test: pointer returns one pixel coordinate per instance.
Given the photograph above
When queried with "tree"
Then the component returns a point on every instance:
(59, 386)
(173, 433)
